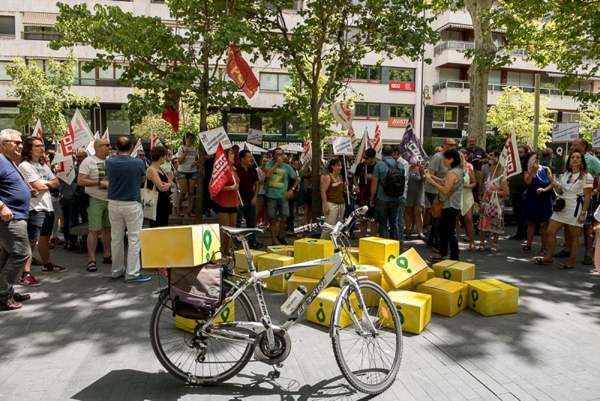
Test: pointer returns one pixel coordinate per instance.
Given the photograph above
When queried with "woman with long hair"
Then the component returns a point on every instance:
(227, 202)
(468, 201)
(574, 190)
(538, 200)
(491, 219)
(332, 194)
(187, 173)
(159, 179)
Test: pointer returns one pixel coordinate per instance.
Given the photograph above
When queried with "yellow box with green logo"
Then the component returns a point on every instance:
(269, 261)
(377, 251)
(297, 280)
(285, 250)
(401, 272)
(448, 297)
(354, 250)
(306, 249)
(179, 246)
(491, 297)
(414, 309)
(319, 311)
(241, 263)
(454, 270)
(430, 273)
(189, 325)
(374, 274)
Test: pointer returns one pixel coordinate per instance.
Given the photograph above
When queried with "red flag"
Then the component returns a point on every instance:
(240, 72)
(171, 116)
(38, 131)
(221, 172)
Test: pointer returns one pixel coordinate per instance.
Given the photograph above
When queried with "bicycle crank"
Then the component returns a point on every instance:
(280, 352)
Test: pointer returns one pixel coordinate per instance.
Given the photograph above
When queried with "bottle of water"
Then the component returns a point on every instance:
(294, 300)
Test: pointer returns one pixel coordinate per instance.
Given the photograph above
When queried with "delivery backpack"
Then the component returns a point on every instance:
(197, 291)
(393, 182)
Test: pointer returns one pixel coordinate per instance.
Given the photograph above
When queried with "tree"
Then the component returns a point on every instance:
(589, 120)
(330, 38)
(45, 95)
(515, 112)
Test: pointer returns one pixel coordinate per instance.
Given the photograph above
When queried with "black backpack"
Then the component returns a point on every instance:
(393, 182)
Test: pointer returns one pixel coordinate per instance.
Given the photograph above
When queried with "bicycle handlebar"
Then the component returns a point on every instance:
(361, 211)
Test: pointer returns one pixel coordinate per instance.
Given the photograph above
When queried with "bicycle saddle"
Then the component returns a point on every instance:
(240, 232)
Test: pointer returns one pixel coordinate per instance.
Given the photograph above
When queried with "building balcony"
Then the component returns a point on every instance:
(460, 19)
(452, 52)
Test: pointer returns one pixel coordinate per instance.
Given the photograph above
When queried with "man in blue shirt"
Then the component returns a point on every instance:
(386, 207)
(15, 196)
(125, 174)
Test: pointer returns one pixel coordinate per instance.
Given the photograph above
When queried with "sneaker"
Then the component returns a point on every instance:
(140, 278)
(19, 297)
(28, 280)
(9, 304)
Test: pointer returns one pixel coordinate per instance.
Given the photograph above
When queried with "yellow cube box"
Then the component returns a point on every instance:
(241, 263)
(374, 274)
(430, 273)
(179, 246)
(189, 325)
(285, 250)
(269, 261)
(448, 297)
(454, 270)
(400, 272)
(297, 280)
(319, 311)
(377, 251)
(492, 297)
(306, 249)
(414, 309)
(354, 251)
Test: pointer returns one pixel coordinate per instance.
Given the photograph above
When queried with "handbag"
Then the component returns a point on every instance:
(559, 204)
(149, 201)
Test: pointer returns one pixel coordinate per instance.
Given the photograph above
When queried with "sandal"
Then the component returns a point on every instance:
(541, 261)
(52, 268)
(564, 266)
(91, 266)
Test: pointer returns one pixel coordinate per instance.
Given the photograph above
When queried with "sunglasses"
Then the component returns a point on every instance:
(15, 142)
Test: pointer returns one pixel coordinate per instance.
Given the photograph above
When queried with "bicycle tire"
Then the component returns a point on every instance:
(194, 379)
(349, 374)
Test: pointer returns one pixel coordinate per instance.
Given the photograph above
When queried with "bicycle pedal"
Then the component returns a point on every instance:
(275, 374)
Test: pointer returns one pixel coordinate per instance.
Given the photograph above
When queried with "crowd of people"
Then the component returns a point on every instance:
(430, 200)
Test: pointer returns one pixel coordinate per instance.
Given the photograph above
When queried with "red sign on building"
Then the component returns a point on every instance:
(397, 122)
(402, 86)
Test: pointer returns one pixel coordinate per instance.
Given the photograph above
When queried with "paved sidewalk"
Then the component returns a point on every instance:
(85, 337)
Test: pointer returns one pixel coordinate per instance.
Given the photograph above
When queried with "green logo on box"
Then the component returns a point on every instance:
(447, 274)
(390, 257)
(321, 313)
(402, 263)
(287, 276)
(225, 314)
(460, 299)
(398, 308)
(474, 297)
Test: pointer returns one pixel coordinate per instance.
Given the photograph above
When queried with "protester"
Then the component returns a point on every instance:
(591, 161)
(91, 176)
(249, 192)
(596, 270)
(473, 151)
(468, 201)
(227, 202)
(362, 180)
(261, 209)
(491, 218)
(517, 188)
(125, 175)
(74, 203)
(415, 201)
(575, 189)
(332, 194)
(386, 206)
(538, 200)
(277, 192)
(141, 154)
(157, 178)
(402, 201)
(15, 197)
(57, 229)
(306, 177)
(450, 191)
(187, 173)
(293, 187)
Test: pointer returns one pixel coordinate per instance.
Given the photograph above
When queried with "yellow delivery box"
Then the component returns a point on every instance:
(377, 251)
(179, 246)
(306, 249)
(241, 263)
(354, 251)
(319, 311)
(448, 297)
(374, 274)
(414, 309)
(401, 272)
(454, 270)
(430, 273)
(270, 261)
(285, 250)
(189, 325)
(296, 281)
(492, 297)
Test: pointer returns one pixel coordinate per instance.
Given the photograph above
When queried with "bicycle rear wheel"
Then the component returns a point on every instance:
(369, 360)
(196, 360)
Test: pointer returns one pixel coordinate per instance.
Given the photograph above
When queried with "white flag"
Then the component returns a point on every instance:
(90, 148)
(377, 142)
(137, 147)
(306, 151)
(364, 145)
(106, 135)
(65, 169)
(81, 131)
(509, 158)
(38, 131)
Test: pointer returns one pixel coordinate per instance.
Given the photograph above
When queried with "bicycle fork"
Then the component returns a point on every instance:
(352, 283)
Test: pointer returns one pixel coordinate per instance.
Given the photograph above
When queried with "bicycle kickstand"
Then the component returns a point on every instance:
(275, 373)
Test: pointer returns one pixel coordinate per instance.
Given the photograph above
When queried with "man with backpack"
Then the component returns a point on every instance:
(387, 187)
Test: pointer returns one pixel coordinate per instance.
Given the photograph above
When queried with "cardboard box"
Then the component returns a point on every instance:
(319, 311)
(448, 297)
(310, 249)
(374, 274)
(241, 263)
(269, 261)
(377, 251)
(492, 297)
(189, 325)
(179, 246)
(285, 250)
(414, 309)
(454, 270)
(297, 280)
(430, 273)
(404, 271)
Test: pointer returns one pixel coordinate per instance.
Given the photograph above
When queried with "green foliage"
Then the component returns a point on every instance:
(514, 111)
(589, 120)
(45, 96)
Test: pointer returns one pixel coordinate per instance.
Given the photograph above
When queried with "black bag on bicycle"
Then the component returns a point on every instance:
(197, 290)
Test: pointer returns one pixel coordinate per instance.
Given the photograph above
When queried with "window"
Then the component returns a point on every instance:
(40, 33)
(8, 117)
(238, 123)
(86, 77)
(117, 122)
(7, 26)
(570, 117)
(445, 117)
(271, 125)
(3, 74)
(402, 74)
(401, 110)
(274, 82)
(85, 113)
(367, 73)
(367, 110)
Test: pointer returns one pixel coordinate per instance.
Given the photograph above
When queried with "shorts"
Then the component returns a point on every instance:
(187, 176)
(429, 198)
(307, 198)
(278, 208)
(39, 224)
(97, 214)
(222, 209)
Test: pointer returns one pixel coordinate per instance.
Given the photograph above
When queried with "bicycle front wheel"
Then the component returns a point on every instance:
(369, 359)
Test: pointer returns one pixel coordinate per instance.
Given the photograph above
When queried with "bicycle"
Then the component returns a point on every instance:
(216, 349)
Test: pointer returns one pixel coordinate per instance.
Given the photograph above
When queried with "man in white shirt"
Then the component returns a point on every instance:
(92, 176)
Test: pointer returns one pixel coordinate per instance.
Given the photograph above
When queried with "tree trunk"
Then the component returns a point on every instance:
(315, 137)
(479, 71)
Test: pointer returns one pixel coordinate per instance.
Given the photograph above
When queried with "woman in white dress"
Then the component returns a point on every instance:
(575, 188)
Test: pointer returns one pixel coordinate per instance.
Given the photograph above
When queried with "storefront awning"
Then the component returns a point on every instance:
(39, 19)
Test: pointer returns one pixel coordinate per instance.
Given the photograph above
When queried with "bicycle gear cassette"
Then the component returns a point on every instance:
(283, 346)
